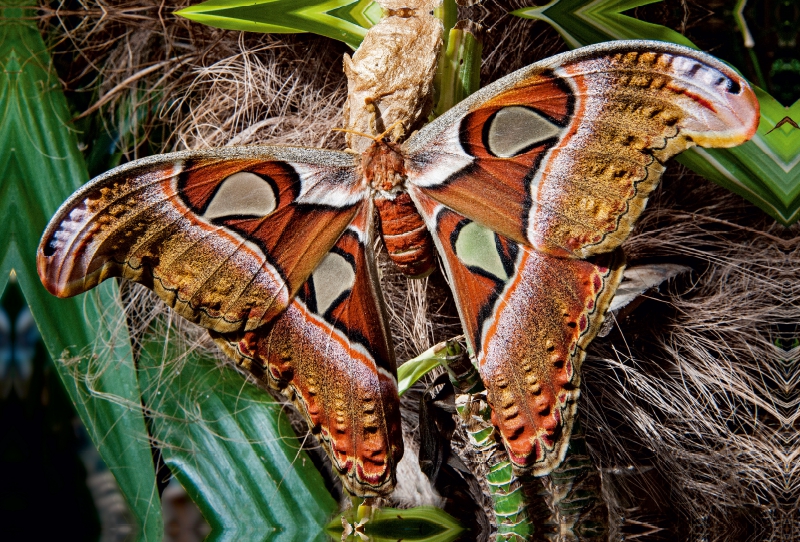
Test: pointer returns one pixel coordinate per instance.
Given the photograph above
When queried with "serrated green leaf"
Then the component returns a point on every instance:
(41, 166)
(230, 445)
(765, 170)
(343, 20)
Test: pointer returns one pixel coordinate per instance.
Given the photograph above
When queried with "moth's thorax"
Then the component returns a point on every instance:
(383, 166)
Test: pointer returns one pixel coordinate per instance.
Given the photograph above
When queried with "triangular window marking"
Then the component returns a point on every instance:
(242, 194)
(332, 277)
(515, 129)
(476, 247)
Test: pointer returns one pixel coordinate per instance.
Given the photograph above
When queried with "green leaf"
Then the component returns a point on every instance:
(41, 166)
(581, 22)
(422, 524)
(230, 445)
(765, 170)
(414, 369)
(343, 20)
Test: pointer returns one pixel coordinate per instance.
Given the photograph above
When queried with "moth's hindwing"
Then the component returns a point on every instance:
(225, 236)
(562, 155)
(330, 352)
(529, 317)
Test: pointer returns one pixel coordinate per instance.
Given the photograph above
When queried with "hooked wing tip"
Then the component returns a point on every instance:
(743, 102)
(61, 273)
(47, 266)
(736, 113)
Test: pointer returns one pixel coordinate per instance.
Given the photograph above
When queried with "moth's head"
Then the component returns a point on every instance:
(383, 166)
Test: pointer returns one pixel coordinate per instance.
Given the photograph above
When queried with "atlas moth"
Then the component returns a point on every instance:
(526, 189)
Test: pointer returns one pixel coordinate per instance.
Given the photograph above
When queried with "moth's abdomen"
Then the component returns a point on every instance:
(405, 235)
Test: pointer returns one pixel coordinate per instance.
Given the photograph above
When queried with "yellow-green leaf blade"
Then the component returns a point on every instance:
(343, 20)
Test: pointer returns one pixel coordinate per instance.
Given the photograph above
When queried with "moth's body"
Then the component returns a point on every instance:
(403, 230)
(527, 188)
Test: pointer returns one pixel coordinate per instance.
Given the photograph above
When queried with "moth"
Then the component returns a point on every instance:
(526, 189)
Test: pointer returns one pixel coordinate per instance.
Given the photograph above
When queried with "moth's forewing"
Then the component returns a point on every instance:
(562, 155)
(226, 236)
(547, 166)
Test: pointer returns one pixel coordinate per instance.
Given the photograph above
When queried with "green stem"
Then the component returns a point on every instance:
(459, 70)
(565, 505)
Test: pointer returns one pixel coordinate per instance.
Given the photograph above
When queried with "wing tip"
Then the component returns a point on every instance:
(746, 110)
(735, 118)
(48, 266)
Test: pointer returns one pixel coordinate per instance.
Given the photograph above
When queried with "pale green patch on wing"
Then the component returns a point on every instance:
(242, 194)
(476, 247)
(332, 277)
(515, 129)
